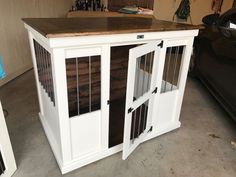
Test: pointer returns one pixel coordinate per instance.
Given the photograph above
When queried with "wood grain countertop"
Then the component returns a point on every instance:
(71, 27)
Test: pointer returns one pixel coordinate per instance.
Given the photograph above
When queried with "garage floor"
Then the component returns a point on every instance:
(200, 148)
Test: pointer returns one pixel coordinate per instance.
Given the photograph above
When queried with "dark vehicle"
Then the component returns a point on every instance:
(214, 58)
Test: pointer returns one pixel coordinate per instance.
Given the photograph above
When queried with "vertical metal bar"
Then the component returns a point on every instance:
(133, 135)
(47, 74)
(90, 87)
(137, 72)
(176, 59)
(42, 66)
(39, 63)
(51, 78)
(37, 59)
(144, 74)
(150, 70)
(44, 69)
(77, 84)
(141, 109)
(140, 117)
(168, 67)
(145, 114)
(135, 83)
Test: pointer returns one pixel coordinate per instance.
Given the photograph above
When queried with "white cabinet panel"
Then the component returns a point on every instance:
(86, 134)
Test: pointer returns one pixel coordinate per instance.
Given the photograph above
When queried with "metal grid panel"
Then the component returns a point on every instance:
(84, 84)
(44, 66)
(143, 75)
(172, 66)
(139, 121)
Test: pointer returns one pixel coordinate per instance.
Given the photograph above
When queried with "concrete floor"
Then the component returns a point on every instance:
(200, 148)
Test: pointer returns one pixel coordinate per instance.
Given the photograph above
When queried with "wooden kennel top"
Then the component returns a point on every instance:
(70, 27)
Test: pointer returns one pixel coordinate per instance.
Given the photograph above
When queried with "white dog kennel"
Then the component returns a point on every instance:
(107, 84)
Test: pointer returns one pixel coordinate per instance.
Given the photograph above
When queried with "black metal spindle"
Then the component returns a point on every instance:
(168, 67)
(175, 65)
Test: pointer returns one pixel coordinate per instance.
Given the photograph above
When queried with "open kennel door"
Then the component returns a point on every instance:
(142, 74)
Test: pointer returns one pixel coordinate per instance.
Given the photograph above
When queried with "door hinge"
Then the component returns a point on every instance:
(155, 91)
(150, 130)
(108, 102)
(130, 110)
(161, 44)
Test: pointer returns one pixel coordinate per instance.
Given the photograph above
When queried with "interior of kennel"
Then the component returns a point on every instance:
(84, 86)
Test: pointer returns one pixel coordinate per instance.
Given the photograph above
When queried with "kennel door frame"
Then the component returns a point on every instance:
(131, 105)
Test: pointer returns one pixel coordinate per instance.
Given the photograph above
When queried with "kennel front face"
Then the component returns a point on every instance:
(105, 89)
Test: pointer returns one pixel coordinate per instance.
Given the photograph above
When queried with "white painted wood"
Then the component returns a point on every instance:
(119, 38)
(61, 101)
(75, 53)
(51, 115)
(105, 95)
(56, 148)
(134, 54)
(86, 134)
(165, 110)
(6, 148)
(183, 76)
(80, 162)
(84, 139)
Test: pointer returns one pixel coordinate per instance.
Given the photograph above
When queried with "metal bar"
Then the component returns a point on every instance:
(150, 70)
(42, 66)
(144, 74)
(137, 72)
(145, 114)
(176, 59)
(135, 114)
(90, 87)
(168, 67)
(77, 84)
(39, 63)
(36, 54)
(47, 74)
(51, 78)
(140, 117)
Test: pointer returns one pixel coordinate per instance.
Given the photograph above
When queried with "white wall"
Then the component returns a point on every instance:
(165, 9)
(14, 46)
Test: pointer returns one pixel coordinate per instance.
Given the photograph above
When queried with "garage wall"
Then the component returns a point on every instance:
(14, 46)
(164, 9)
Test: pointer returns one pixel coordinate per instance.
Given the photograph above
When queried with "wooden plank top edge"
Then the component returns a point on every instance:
(71, 27)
